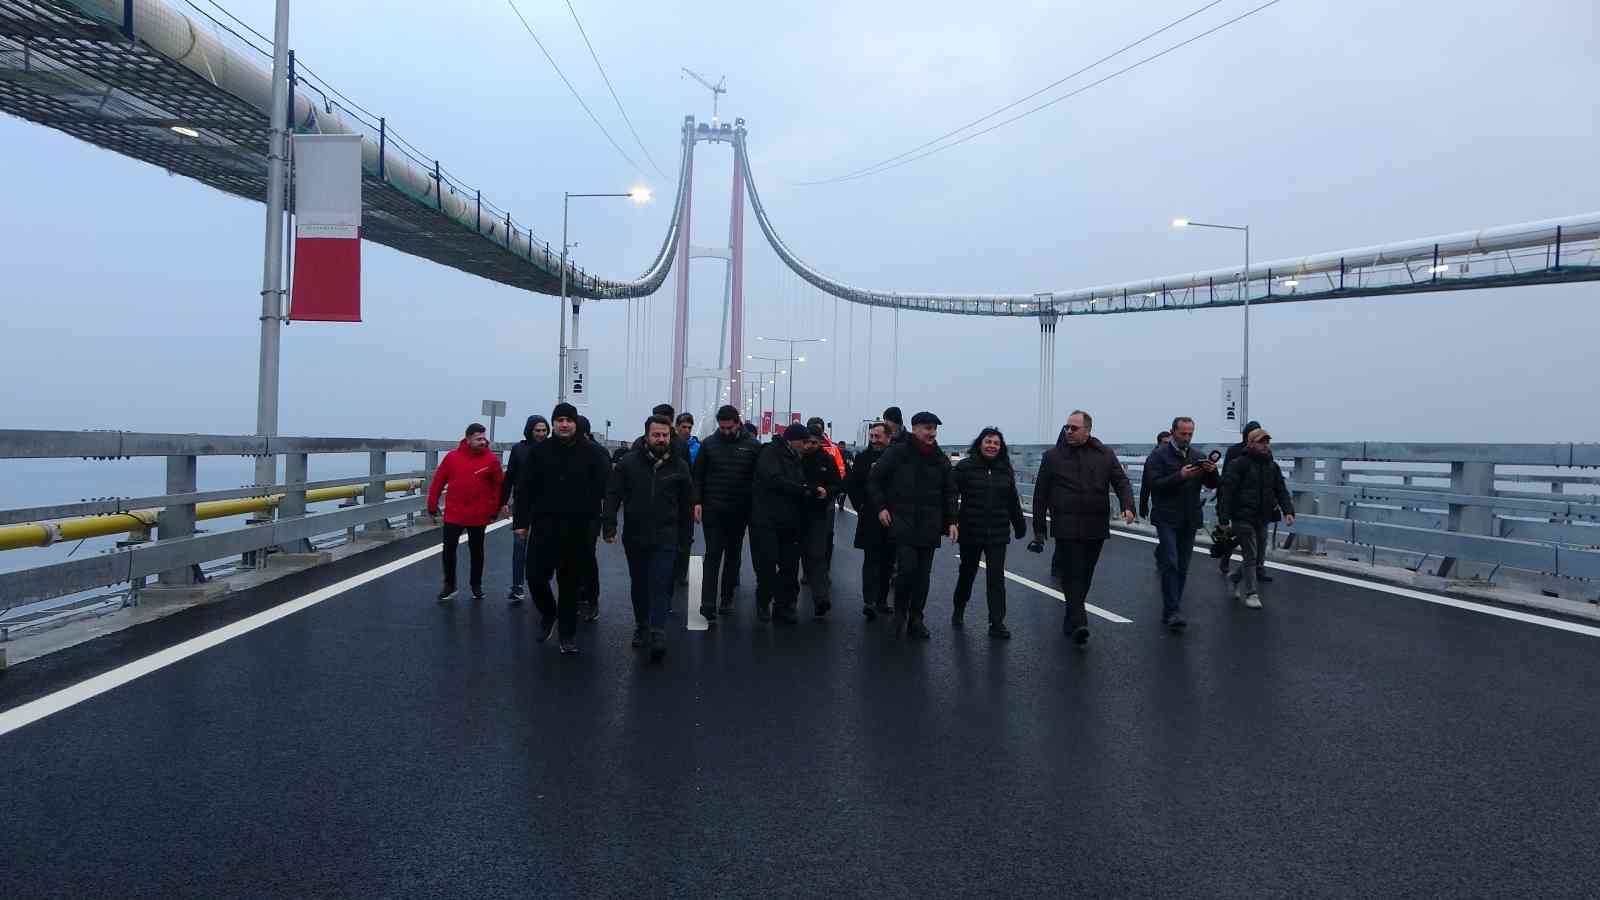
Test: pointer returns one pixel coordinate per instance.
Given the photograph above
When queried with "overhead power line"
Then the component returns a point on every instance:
(913, 155)
(563, 76)
(614, 97)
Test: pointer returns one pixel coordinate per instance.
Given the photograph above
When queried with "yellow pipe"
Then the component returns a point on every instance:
(33, 534)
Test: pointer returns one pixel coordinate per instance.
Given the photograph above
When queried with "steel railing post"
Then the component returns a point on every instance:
(177, 519)
(377, 465)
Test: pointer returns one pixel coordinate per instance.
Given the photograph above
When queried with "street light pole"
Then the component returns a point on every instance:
(272, 265)
(789, 413)
(1244, 292)
(637, 195)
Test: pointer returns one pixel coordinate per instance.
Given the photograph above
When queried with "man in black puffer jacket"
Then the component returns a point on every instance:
(990, 511)
(1174, 473)
(1252, 493)
(1234, 452)
(724, 472)
(1071, 500)
(780, 497)
(821, 470)
(654, 491)
(872, 539)
(557, 499)
(914, 490)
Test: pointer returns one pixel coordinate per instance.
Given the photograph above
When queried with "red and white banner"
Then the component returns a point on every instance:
(794, 418)
(766, 421)
(326, 285)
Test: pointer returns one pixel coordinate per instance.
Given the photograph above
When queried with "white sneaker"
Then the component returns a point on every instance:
(1253, 601)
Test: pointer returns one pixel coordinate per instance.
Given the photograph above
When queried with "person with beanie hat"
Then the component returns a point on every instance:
(779, 497)
(895, 420)
(1253, 492)
(535, 430)
(1234, 452)
(722, 476)
(914, 490)
(557, 501)
(469, 478)
(816, 522)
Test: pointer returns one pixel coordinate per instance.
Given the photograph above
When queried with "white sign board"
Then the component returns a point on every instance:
(494, 407)
(327, 184)
(1232, 393)
(578, 376)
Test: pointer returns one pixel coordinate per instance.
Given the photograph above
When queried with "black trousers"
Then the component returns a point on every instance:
(776, 554)
(816, 555)
(994, 556)
(452, 536)
(911, 586)
(877, 574)
(562, 546)
(724, 534)
(1078, 559)
(589, 577)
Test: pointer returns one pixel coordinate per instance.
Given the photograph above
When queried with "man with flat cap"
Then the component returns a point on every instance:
(913, 488)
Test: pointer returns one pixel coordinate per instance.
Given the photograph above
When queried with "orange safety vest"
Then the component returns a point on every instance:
(833, 451)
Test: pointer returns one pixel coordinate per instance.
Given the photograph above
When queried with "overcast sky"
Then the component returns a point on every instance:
(131, 295)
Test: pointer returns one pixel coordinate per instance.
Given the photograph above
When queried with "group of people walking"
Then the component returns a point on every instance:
(565, 492)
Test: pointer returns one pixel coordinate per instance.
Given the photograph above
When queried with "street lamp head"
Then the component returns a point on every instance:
(1180, 223)
(799, 359)
(640, 194)
(824, 340)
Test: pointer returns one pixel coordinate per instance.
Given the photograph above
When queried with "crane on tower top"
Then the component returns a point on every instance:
(721, 87)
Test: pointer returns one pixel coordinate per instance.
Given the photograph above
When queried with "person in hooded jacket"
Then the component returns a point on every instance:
(1233, 453)
(536, 429)
(914, 490)
(1253, 492)
(589, 579)
(654, 491)
(1071, 501)
(991, 510)
(779, 500)
(1174, 473)
(872, 539)
(469, 477)
(557, 498)
(723, 473)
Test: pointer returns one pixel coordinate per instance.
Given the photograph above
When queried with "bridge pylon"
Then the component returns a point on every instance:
(730, 351)
(1047, 376)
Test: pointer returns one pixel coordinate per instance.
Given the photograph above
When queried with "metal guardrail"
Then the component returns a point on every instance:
(177, 551)
(1555, 533)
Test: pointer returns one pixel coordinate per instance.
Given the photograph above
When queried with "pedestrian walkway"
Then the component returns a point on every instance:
(371, 742)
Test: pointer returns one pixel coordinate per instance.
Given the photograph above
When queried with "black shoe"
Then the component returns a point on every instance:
(641, 635)
(917, 630)
(658, 645)
(786, 617)
(883, 609)
(1080, 635)
(446, 594)
(999, 632)
(569, 648)
(547, 627)
(516, 596)
(763, 612)
(869, 612)
(1263, 577)
(959, 617)
(709, 613)
(477, 594)
(683, 582)
(1235, 577)
(725, 608)
(589, 613)
(803, 580)
(1174, 622)
(822, 610)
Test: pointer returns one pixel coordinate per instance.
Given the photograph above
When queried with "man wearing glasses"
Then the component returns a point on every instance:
(1071, 499)
(1252, 493)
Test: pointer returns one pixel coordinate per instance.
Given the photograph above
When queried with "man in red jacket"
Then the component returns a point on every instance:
(473, 475)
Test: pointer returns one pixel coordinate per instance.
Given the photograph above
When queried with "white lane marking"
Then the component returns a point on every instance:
(1106, 614)
(34, 710)
(692, 619)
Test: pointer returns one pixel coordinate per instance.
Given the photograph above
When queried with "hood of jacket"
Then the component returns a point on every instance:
(527, 429)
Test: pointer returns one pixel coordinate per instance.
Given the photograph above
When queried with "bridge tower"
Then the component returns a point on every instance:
(730, 352)
(1047, 377)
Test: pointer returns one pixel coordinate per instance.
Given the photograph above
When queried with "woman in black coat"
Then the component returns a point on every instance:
(991, 512)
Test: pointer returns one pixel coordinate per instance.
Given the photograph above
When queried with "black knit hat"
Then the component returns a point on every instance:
(564, 411)
(796, 432)
(893, 414)
(925, 418)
